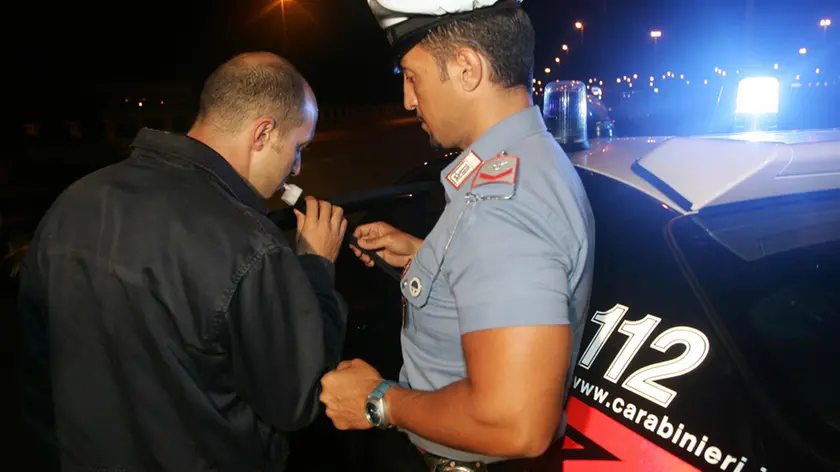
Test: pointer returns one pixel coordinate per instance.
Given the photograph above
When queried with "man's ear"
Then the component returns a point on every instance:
(261, 132)
(469, 67)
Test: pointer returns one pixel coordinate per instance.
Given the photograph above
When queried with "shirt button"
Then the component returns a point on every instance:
(405, 283)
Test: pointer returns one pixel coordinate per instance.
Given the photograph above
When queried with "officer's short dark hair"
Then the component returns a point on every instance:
(245, 88)
(506, 38)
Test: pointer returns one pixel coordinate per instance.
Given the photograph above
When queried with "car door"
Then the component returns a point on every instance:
(661, 383)
(650, 376)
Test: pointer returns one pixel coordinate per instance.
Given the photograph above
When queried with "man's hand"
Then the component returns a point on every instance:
(391, 244)
(345, 392)
(321, 230)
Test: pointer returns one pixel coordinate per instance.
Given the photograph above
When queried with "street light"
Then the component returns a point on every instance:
(803, 51)
(565, 48)
(557, 60)
(655, 34)
(579, 25)
(825, 23)
(547, 70)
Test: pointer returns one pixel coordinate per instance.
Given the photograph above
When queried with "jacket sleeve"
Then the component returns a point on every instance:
(287, 326)
(34, 359)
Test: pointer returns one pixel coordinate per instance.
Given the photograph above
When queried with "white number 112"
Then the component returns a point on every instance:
(643, 381)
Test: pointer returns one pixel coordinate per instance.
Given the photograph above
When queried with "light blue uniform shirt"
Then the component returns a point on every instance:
(516, 251)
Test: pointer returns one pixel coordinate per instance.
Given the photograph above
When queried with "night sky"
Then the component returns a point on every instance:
(59, 47)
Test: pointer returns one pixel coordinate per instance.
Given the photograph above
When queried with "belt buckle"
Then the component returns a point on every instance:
(448, 465)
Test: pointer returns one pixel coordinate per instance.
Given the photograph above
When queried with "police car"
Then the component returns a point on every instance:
(713, 337)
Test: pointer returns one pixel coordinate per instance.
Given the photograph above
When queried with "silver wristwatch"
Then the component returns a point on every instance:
(376, 410)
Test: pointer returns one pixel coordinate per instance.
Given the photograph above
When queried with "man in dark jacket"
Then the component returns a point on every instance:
(165, 317)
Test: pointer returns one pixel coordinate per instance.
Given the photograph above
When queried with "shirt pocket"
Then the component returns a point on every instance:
(416, 283)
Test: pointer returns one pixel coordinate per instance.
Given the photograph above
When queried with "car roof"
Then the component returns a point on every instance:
(690, 174)
(614, 158)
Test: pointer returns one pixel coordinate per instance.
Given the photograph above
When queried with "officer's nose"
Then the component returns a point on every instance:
(409, 98)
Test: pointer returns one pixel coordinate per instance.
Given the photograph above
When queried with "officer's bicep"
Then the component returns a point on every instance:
(506, 270)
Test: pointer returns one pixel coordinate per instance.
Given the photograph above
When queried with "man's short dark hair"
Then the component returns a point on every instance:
(506, 38)
(243, 89)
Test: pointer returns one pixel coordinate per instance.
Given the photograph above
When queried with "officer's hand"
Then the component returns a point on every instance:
(321, 230)
(344, 392)
(391, 244)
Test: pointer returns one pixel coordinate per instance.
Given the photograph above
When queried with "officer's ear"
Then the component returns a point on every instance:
(469, 66)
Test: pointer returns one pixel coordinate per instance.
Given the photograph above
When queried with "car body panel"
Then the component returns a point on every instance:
(614, 158)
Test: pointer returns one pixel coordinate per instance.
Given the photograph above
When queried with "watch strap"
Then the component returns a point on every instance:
(375, 399)
(380, 389)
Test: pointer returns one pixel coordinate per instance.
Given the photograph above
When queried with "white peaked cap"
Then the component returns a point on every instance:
(390, 12)
(407, 22)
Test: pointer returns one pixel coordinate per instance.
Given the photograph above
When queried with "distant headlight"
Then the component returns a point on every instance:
(757, 96)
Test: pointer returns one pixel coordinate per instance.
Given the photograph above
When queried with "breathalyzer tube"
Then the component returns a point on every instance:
(293, 196)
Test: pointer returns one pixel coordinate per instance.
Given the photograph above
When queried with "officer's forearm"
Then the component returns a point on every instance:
(453, 416)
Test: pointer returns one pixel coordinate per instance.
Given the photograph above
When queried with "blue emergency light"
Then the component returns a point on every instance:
(757, 104)
(757, 96)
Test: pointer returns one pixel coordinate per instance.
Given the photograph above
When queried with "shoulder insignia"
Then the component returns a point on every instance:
(497, 177)
(461, 172)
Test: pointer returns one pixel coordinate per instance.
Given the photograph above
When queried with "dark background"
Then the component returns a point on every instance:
(60, 54)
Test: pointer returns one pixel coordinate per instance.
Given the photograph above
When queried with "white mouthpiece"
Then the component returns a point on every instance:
(291, 194)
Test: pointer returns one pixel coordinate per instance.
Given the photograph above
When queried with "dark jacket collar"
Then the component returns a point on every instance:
(205, 157)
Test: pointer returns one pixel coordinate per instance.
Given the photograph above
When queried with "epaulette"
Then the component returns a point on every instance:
(496, 178)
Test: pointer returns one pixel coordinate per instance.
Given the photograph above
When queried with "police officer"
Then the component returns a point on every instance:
(166, 318)
(497, 292)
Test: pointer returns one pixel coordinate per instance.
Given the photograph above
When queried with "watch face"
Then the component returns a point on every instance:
(372, 413)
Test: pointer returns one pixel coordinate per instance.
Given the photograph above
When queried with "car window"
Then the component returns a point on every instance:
(771, 274)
